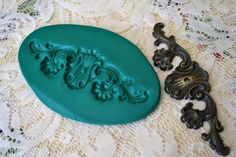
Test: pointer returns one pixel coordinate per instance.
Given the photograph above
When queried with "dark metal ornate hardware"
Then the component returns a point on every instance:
(189, 81)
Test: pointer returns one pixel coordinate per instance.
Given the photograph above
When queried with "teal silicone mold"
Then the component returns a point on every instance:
(89, 74)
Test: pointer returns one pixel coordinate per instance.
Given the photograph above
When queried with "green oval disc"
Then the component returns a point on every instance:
(89, 74)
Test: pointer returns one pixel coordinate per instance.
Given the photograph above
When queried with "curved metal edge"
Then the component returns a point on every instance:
(189, 81)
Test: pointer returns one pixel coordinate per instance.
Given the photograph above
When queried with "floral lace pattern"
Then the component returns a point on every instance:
(207, 29)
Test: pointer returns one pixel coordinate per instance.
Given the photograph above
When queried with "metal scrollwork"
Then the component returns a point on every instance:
(189, 81)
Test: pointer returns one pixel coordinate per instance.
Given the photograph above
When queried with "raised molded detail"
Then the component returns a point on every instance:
(82, 66)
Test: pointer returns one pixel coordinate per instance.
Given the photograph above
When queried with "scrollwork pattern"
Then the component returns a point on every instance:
(82, 66)
(189, 81)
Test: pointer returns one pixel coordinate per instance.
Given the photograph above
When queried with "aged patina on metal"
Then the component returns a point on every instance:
(189, 81)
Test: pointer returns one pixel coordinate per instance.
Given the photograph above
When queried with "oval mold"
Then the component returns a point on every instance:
(89, 74)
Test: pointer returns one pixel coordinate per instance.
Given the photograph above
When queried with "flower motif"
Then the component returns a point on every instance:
(52, 66)
(162, 59)
(191, 117)
(103, 90)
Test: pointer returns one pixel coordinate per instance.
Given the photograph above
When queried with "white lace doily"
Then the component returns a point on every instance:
(207, 29)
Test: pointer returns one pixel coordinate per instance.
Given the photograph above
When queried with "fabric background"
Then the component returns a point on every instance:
(207, 29)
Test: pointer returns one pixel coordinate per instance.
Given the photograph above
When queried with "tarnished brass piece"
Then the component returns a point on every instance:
(189, 81)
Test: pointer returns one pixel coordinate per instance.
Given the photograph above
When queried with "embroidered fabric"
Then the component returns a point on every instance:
(206, 29)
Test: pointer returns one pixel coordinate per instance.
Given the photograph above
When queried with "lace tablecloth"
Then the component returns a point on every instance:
(207, 29)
